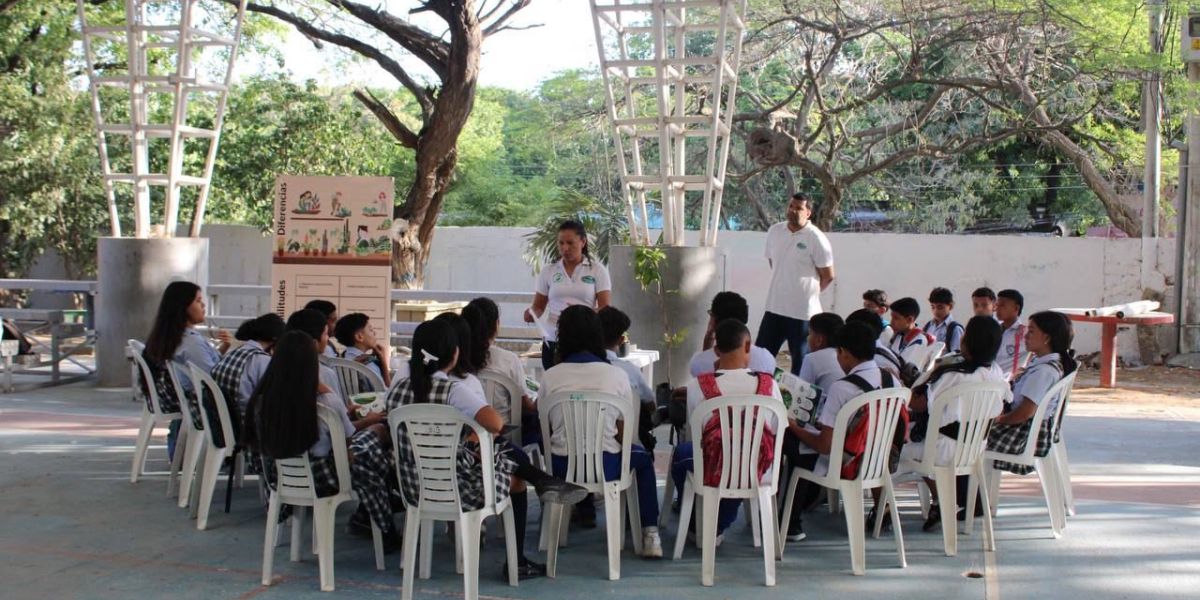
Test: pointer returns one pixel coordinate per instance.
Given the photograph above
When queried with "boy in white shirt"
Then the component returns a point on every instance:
(983, 302)
(904, 322)
(1009, 305)
(877, 302)
(822, 369)
(728, 305)
(355, 333)
(943, 327)
(733, 377)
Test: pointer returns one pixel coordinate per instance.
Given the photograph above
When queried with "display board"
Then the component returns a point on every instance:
(333, 242)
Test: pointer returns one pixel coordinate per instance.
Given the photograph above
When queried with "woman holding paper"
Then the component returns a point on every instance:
(576, 278)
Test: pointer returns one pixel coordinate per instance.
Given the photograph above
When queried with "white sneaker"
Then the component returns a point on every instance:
(720, 538)
(651, 543)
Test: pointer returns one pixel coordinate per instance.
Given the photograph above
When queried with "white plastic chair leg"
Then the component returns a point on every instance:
(1052, 489)
(685, 517)
(989, 534)
(889, 493)
(556, 517)
(1064, 475)
(323, 526)
(948, 504)
(297, 532)
(208, 483)
(752, 514)
(667, 498)
(770, 534)
(708, 547)
(614, 526)
(993, 483)
(191, 458)
(145, 430)
(510, 545)
(269, 538)
(926, 499)
(426, 548)
(831, 496)
(412, 529)
(468, 534)
(633, 506)
(856, 530)
(788, 502)
(181, 441)
(377, 546)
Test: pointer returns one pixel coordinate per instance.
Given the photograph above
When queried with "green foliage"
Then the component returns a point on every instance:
(606, 226)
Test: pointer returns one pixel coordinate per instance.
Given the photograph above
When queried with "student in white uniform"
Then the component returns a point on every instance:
(584, 369)
(983, 302)
(877, 301)
(822, 369)
(575, 279)
(328, 309)
(315, 323)
(904, 322)
(483, 316)
(1009, 306)
(801, 261)
(981, 340)
(943, 327)
(728, 305)
(356, 334)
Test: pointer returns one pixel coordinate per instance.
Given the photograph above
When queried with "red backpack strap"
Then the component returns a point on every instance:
(766, 384)
(708, 386)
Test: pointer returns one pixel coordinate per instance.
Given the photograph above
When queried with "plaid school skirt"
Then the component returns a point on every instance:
(1011, 439)
(467, 472)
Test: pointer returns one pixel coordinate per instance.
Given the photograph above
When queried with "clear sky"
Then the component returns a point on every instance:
(511, 59)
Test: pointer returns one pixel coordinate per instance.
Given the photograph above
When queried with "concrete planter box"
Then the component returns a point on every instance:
(419, 312)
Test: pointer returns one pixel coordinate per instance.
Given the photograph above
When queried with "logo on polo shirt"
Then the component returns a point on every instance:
(558, 277)
(801, 245)
(588, 279)
(1009, 349)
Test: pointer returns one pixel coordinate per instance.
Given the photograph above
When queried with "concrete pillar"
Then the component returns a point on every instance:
(692, 276)
(132, 275)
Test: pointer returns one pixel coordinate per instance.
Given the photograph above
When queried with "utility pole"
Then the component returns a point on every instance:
(1151, 117)
(1189, 233)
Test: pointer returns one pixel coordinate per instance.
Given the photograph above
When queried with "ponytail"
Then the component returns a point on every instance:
(1058, 328)
(435, 346)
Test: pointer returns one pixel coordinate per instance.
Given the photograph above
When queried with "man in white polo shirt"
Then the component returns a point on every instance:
(801, 262)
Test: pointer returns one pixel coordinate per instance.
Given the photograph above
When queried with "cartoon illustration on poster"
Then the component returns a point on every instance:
(332, 242)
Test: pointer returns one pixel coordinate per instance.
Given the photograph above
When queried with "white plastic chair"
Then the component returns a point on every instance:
(152, 416)
(493, 383)
(193, 445)
(294, 487)
(978, 404)
(351, 375)
(924, 356)
(883, 408)
(214, 456)
(743, 420)
(1046, 467)
(584, 417)
(435, 434)
(1061, 462)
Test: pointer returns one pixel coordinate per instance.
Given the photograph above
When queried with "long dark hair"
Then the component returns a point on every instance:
(578, 228)
(462, 331)
(483, 316)
(265, 328)
(579, 330)
(1058, 328)
(437, 339)
(170, 321)
(281, 419)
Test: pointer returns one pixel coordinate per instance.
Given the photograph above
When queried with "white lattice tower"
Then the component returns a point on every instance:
(670, 74)
(162, 47)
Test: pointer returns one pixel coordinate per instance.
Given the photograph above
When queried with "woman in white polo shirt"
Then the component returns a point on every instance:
(576, 278)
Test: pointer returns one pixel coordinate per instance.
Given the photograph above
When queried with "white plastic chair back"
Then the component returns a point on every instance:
(185, 405)
(978, 403)
(585, 415)
(1061, 409)
(204, 382)
(883, 410)
(1026, 457)
(743, 420)
(493, 383)
(155, 403)
(293, 476)
(351, 376)
(435, 433)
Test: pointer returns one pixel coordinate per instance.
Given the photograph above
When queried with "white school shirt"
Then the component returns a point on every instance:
(586, 377)
(507, 363)
(882, 361)
(463, 396)
(1036, 380)
(705, 361)
(899, 346)
(327, 376)
(795, 257)
(351, 353)
(195, 349)
(821, 368)
(323, 445)
(252, 374)
(941, 333)
(1012, 346)
(731, 382)
(637, 380)
(841, 393)
(589, 279)
(944, 444)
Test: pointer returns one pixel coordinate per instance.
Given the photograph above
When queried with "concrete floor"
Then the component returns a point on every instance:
(74, 527)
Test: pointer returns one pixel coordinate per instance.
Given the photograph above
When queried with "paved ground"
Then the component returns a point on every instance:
(74, 527)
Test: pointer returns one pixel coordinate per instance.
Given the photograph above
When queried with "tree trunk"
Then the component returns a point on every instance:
(831, 202)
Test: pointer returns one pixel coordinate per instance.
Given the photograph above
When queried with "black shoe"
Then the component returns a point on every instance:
(359, 525)
(584, 518)
(887, 522)
(795, 532)
(391, 541)
(558, 491)
(526, 569)
(933, 520)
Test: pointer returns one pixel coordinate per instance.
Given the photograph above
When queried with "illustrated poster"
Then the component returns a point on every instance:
(333, 242)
